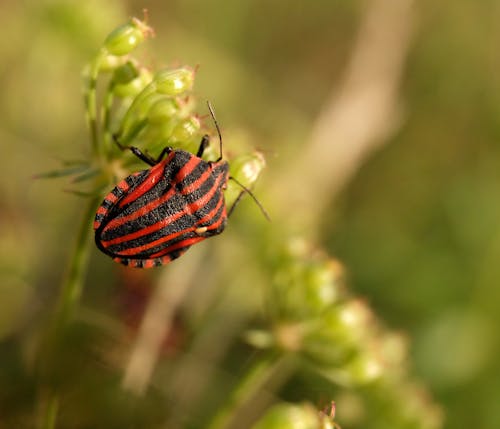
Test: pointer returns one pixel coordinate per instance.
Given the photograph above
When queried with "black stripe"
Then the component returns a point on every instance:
(118, 192)
(194, 175)
(177, 203)
(162, 186)
(107, 204)
(181, 224)
(174, 205)
(132, 179)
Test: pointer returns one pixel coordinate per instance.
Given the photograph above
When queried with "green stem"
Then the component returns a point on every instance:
(107, 104)
(251, 383)
(49, 422)
(72, 287)
(90, 96)
(69, 297)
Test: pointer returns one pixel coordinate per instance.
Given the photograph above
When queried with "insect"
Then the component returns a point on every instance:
(153, 216)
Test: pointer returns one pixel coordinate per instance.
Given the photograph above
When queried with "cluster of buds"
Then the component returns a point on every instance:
(312, 316)
(291, 416)
(149, 110)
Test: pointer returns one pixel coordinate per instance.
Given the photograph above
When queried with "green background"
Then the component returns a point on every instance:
(417, 226)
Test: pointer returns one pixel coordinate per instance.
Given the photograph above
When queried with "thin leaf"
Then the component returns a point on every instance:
(86, 176)
(61, 172)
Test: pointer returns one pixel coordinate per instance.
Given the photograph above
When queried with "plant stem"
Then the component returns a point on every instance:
(72, 287)
(253, 381)
(51, 414)
(107, 103)
(90, 96)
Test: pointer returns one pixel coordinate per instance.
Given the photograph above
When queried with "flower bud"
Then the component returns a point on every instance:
(163, 110)
(125, 73)
(186, 134)
(174, 82)
(305, 287)
(246, 170)
(108, 63)
(289, 416)
(338, 334)
(134, 86)
(363, 368)
(127, 37)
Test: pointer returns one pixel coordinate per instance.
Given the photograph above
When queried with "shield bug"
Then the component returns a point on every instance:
(153, 216)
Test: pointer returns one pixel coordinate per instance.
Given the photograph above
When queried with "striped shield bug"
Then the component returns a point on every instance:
(153, 216)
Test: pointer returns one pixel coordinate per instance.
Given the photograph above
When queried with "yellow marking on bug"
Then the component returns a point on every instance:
(200, 230)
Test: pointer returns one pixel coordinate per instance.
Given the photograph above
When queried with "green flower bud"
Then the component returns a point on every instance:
(260, 339)
(338, 334)
(136, 119)
(127, 37)
(304, 287)
(363, 368)
(133, 87)
(246, 169)
(125, 73)
(109, 63)
(288, 416)
(186, 134)
(174, 82)
(165, 109)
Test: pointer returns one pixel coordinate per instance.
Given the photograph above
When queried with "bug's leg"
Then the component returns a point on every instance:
(236, 201)
(141, 155)
(244, 191)
(165, 151)
(205, 140)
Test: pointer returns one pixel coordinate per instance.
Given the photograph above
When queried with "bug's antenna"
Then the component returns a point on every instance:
(212, 114)
(249, 192)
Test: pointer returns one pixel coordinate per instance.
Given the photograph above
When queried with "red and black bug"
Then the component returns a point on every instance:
(153, 216)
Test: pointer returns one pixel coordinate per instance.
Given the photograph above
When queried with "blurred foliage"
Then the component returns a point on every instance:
(416, 228)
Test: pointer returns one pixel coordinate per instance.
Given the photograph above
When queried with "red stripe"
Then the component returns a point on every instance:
(191, 208)
(112, 198)
(123, 185)
(205, 198)
(211, 214)
(188, 168)
(115, 223)
(148, 263)
(155, 174)
(184, 243)
(138, 249)
(189, 189)
(144, 231)
(102, 210)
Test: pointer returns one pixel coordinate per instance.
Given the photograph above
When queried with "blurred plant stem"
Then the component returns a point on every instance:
(358, 116)
(71, 289)
(271, 367)
(69, 297)
(50, 417)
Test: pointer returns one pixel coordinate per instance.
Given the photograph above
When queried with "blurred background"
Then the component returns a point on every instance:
(380, 124)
